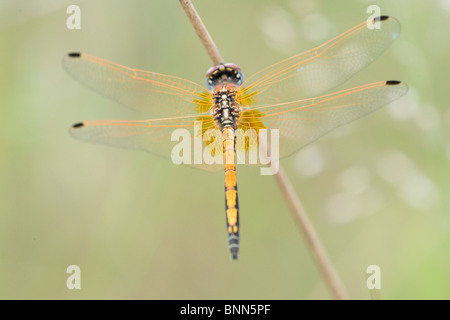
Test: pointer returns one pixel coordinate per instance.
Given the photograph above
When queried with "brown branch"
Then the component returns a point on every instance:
(318, 251)
(202, 32)
(315, 245)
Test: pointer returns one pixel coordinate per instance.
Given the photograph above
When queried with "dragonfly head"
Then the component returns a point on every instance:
(223, 74)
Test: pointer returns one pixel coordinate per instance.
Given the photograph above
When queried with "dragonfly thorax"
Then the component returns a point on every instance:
(225, 110)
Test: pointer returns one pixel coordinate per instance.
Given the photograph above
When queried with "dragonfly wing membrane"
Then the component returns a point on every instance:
(154, 136)
(317, 71)
(302, 122)
(155, 94)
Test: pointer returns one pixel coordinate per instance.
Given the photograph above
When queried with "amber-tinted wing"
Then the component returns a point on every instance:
(301, 122)
(155, 94)
(155, 136)
(318, 70)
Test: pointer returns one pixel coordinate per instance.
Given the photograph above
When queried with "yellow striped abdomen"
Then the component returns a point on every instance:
(231, 196)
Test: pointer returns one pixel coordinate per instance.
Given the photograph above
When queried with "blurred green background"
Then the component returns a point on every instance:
(377, 190)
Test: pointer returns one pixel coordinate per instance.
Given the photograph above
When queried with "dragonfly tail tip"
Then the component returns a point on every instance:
(234, 252)
(233, 245)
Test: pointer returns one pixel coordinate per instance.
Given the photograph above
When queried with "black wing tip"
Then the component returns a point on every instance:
(78, 125)
(380, 18)
(74, 55)
(393, 82)
(234, 256)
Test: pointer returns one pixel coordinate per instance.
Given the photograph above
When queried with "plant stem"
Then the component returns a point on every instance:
(318, 250)
(202, 32)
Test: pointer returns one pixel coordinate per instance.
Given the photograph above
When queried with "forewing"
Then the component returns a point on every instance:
(156, 94)
(318, 70)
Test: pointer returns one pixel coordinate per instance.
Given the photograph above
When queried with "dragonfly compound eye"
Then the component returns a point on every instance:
(224, 74)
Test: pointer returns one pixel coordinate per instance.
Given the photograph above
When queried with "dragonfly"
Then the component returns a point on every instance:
(289, 96)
